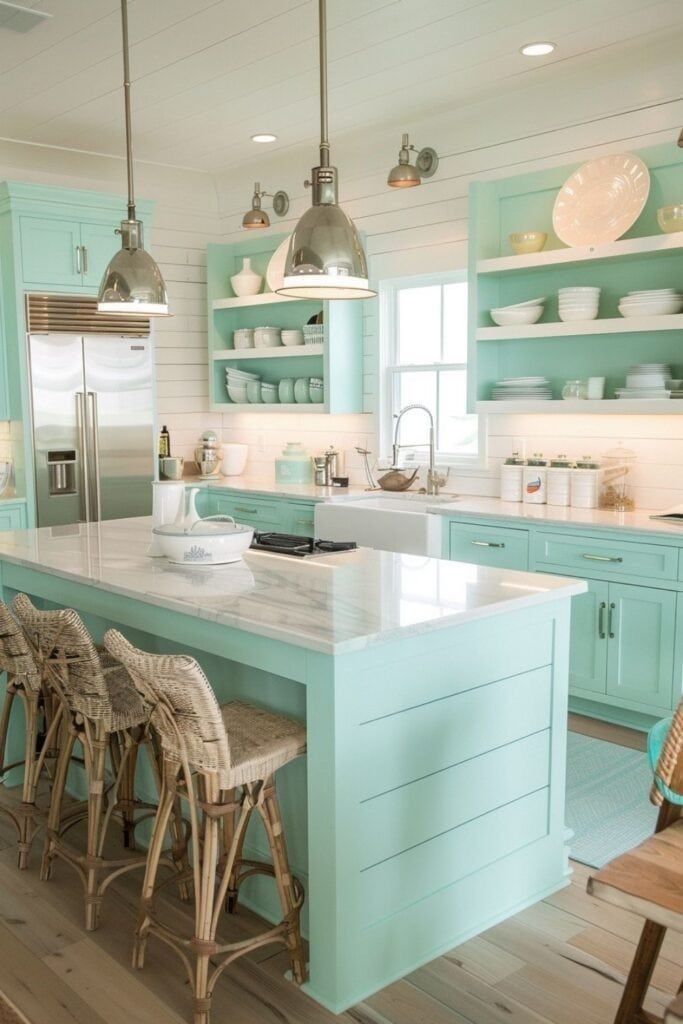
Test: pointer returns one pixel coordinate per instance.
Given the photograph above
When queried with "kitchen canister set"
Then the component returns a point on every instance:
(585, 483)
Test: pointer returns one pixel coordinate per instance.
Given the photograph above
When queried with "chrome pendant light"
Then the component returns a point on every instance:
(325, 259)
(257, 217)
(132, 282)
(407, 175)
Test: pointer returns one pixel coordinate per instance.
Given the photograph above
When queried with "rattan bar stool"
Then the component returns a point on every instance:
(41, 716)
(104, 713)
(222, 759)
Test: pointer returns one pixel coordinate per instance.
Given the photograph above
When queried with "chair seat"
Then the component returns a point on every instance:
(647, 880)
(260, 742)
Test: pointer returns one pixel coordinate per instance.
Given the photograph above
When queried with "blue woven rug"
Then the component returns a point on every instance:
(608, 807)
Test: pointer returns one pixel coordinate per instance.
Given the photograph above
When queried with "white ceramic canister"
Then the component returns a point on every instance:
(585, 486)
(535, 480)
(168, 498)
(247, 282)
(512, 478)
(559, 481)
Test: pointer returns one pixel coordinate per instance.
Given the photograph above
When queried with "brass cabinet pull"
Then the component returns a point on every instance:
(486, 544)
(601, 620)
(304, 522)
(248, 511)
(609, 621)
(603, 558)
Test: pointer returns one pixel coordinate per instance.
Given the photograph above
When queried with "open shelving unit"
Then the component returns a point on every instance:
(338, 360)
(604, 347)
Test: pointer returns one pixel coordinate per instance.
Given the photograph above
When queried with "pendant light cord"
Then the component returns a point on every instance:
(126, 96)
(324, 141)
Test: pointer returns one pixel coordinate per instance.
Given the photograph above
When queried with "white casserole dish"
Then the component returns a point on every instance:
(210, 541)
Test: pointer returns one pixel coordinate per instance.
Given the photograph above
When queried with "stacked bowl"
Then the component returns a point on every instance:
(518, 314)
(646, 380)
(314, 334)
(656, 302)
(236, 382)
(578, 303)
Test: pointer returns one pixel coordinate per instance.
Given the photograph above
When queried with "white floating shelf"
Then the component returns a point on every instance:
(616, 325)
(625, 247)
(281, 352)
(614, 406)
(245, 301)
(275, 407)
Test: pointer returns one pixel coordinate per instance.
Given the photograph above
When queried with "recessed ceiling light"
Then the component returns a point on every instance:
(263, 137)
(537, 49)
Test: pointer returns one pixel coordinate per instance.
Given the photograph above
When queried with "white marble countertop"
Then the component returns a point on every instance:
(333, 603)
(269, 488)
(556, 515)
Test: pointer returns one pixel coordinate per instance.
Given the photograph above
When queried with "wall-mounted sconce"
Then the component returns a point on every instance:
(256, 217)
(407, 175)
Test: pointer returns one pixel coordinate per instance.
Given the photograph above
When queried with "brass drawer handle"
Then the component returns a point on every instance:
(248, 511)
(601, 620)
(603, 558)
(487, 544)
(610, 629)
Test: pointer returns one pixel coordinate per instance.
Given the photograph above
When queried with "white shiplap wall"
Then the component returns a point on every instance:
(424, 230)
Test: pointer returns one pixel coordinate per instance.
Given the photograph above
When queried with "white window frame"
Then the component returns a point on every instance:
(390, 370)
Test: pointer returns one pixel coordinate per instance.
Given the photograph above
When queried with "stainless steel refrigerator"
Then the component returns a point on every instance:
(93, 426)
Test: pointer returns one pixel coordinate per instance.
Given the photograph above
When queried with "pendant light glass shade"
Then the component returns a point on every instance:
(132, 282)
(325, 259)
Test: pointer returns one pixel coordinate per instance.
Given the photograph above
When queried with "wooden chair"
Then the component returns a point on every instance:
(222, 760)
(41, 719)
(104, 713)
(648, 880)
(674, 1012)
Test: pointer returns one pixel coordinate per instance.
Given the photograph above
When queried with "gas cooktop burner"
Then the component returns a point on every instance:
(301, 547)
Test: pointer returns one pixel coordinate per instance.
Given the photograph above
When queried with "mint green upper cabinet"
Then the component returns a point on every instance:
(99, 242)
(641, 649)
(588, 643)
(50, 251)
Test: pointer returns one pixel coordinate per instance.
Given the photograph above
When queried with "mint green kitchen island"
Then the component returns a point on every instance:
(431, 801)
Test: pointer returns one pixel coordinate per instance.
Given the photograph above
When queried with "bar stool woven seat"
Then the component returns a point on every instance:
(222, 760)
(105, 714)
(41, 719)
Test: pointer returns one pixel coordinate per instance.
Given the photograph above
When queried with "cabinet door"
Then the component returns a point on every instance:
(99, 242)
(588, 643)
(300, 519)
(640, 657)
(50, 253)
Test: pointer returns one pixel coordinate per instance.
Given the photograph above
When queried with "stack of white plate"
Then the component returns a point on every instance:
(516, 389)
(657, 302)
(236, 383)
(646, 380)
(519, 313)
(578, 303)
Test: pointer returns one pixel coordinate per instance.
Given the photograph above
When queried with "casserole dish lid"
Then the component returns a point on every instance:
(224, 527)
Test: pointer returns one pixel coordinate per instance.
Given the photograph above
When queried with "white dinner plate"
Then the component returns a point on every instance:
(601, 200)
(275, 272)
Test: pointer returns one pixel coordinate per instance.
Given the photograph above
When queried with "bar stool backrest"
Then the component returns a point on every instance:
(16, 658)
(668, 780)
(185, 712)
(63, 647)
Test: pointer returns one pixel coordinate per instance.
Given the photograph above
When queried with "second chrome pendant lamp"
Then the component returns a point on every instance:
(132, 282)
(325, 259)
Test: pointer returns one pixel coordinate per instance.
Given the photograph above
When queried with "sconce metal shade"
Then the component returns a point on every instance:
(255, 218)
(407, 175)
(325, 258)
(132, 282)
(403, 175)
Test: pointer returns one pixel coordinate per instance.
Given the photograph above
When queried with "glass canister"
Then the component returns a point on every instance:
(535, 480)
(293, 466)
(559, 481)
(574, 389)
(512, 478)
(585, 487)
(618, 464)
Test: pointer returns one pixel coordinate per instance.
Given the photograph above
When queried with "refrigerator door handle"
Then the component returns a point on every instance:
(95, 429)
(83, 438)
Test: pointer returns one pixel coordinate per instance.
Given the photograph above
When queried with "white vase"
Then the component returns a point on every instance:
(247, 282)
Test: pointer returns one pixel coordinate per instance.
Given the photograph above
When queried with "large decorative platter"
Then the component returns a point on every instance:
(601, 200)
(275, 272)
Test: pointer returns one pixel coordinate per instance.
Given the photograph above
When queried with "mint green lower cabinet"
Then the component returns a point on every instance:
(499, 546)
(300, 518)
(261, 513)
(588, 644)
(640, 659)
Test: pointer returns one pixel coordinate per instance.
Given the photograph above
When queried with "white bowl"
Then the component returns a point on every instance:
(237, 394)
(267, 337)
(516, 317)
(295, 337)
(207, 542)
(243, 337)
(580, 313)
(663, 308)
(585, 289)
(234, 459)
(529, 302)
(241, 375)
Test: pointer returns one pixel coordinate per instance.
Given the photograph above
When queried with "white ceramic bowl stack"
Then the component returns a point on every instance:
(519, 313)
(292, 337)
(577, 304)
(267, 337)
(236, 383)
(314, 334)
(656, 302)
(646, 380)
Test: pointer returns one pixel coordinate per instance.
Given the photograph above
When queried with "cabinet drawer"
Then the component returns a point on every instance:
(264, 515)
(611, 558)
(489, 545)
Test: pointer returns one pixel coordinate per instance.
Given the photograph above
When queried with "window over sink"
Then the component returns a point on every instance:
(423, 330)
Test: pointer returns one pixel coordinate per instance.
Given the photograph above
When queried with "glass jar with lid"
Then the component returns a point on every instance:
(618, 465)
(574, 389)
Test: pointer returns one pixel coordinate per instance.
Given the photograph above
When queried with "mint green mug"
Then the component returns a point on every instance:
(301, 390)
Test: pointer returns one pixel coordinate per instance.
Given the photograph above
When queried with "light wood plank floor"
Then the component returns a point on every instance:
(559, 962)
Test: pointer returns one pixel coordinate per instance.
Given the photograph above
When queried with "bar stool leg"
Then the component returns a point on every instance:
(27, 819)
(10, 694)
(175, 824)
(229, 832)
(56, 802)
(126, 797)
(203, 943)
(167, 800)
(95, 751)
(269, 809)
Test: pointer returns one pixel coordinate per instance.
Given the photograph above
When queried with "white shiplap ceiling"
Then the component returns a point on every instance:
(209, 73)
